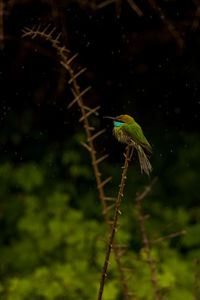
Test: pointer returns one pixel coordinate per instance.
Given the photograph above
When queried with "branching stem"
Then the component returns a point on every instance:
(145, 240)
(128, 155)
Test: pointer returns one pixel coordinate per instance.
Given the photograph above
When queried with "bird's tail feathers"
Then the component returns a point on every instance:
(144, 162)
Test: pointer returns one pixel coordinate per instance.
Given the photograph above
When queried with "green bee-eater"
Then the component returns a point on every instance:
(128, 131)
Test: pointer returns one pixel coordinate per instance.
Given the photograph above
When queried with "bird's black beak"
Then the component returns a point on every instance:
(106, 117)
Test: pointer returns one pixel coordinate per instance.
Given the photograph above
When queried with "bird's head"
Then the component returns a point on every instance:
(120, 120)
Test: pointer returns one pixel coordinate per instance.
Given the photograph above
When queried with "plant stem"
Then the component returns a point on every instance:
(128, 155)
(145, 238)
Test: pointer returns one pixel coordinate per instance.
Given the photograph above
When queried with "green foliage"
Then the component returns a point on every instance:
(52, 251)
(52, 225)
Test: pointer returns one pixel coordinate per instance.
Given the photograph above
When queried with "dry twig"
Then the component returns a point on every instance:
(135, 8)
(176, 35)
(169, 236)
(128, 155)
(145, 240)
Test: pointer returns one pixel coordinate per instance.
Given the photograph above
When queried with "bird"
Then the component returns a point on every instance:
(126, 130)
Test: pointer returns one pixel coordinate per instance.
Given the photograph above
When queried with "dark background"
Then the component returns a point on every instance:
(146, 66)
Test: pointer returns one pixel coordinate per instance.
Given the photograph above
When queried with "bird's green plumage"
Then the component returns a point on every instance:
(128, 131)
(135, 131)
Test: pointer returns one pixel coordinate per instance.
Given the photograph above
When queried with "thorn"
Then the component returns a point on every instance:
(96, 135)
(35, 31)
(88, 127)
(105, 3)
(104, 182)
(63, 49)
(86, 146)
(27, 28)
(79, 96)
(110, 199)
(76, 75)
(135, 8)
(170, 236)
(25, 33)
(39, 26)
(91, 128)
(72, 58)
(64, 65)
(87, 107)
(45, 29)
(100, 159)
(108, 208)
(92, 111)
(57, 41)
(140, 196)
(120, 246)
(52, 31)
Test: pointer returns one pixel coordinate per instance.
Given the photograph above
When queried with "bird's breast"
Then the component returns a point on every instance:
(120, 135)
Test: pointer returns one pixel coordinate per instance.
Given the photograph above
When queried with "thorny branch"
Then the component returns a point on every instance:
(100, 184)
(167, 23)
(145, 240)
(128, 155)
(158, 10)
(85, 111)
(169, 236)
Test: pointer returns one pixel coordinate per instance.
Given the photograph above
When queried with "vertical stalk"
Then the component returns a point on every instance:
(145, 240)
(128, 155)
(196, 277)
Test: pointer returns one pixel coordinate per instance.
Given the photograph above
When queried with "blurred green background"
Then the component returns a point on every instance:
(52, 229)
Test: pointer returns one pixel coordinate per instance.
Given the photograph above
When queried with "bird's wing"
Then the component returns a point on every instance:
(136, 133)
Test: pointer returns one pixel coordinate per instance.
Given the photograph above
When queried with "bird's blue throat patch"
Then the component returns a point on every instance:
(117, 124)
